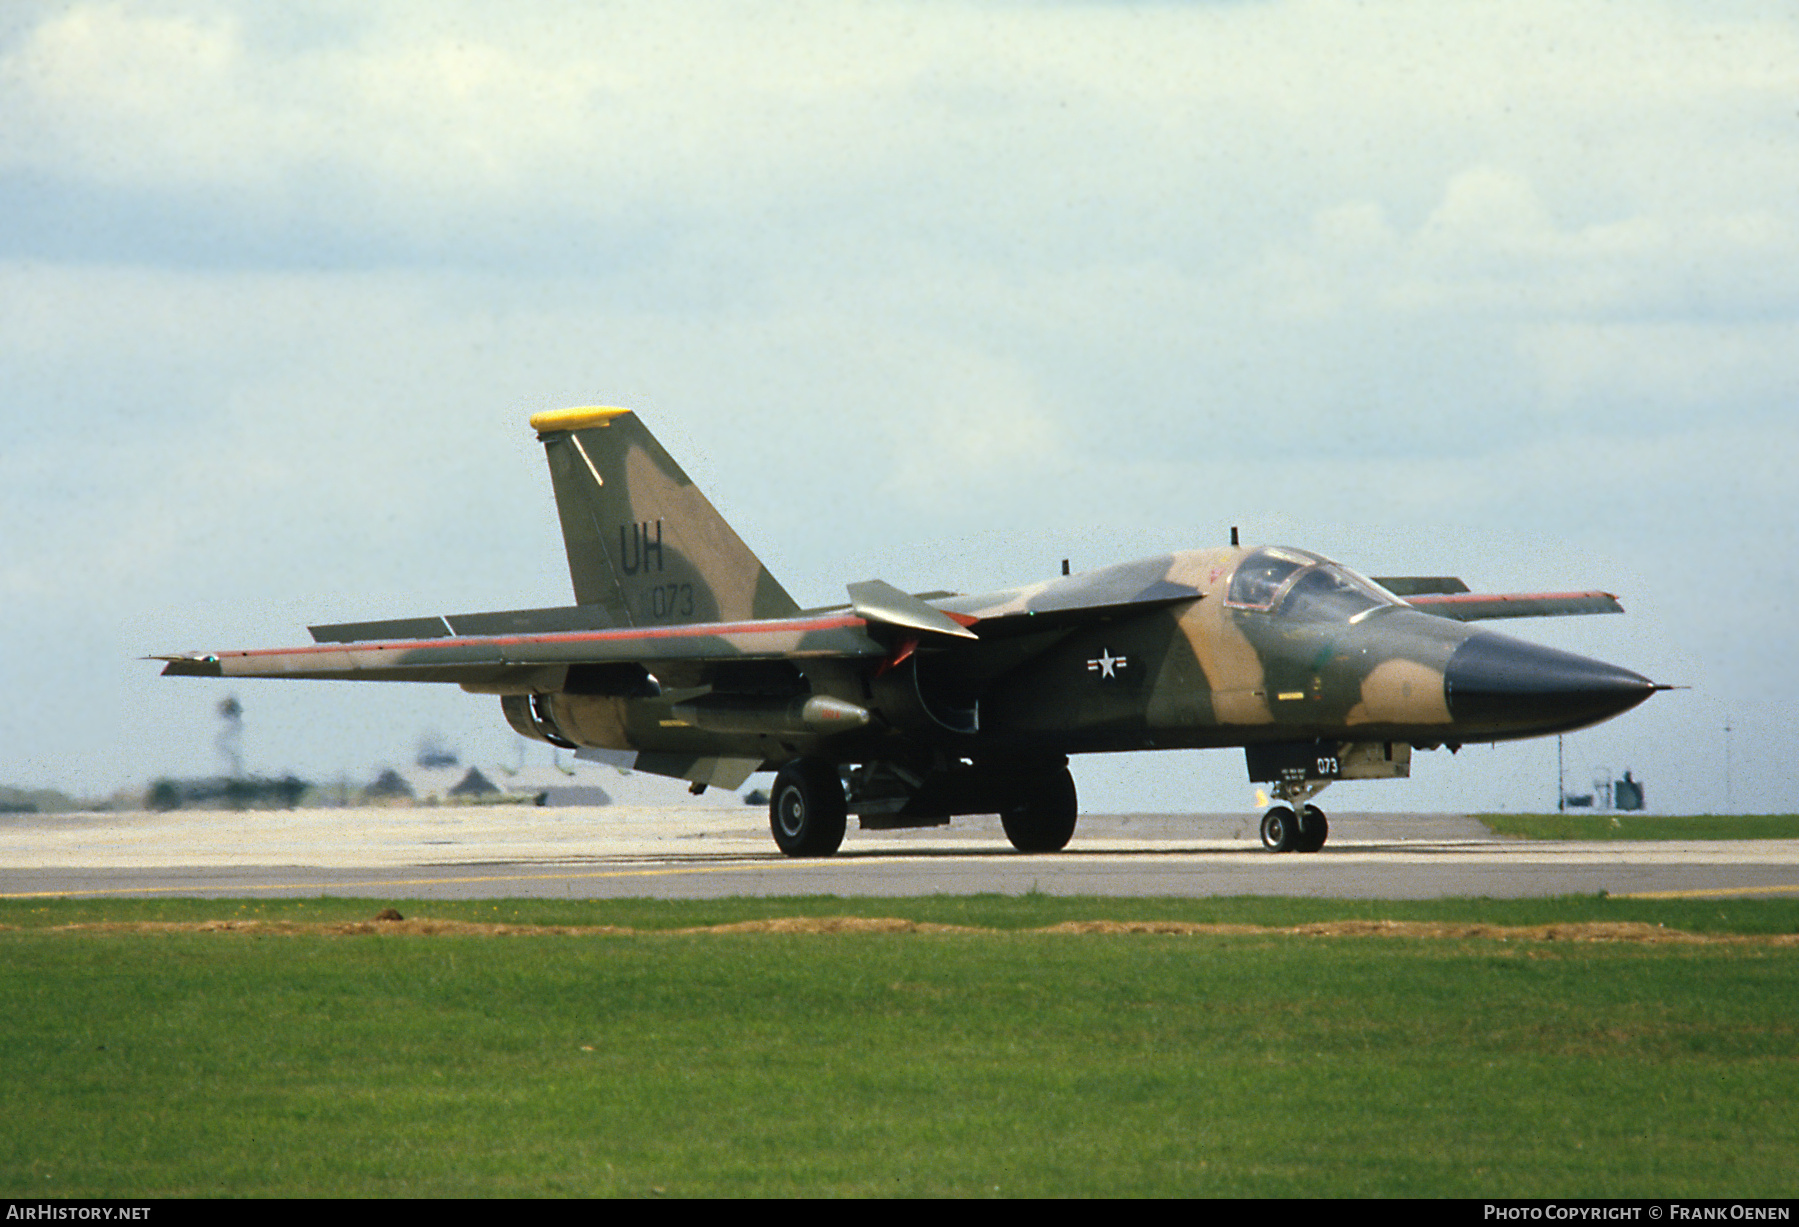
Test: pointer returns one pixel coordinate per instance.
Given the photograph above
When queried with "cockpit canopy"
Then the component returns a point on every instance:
(1305, 587)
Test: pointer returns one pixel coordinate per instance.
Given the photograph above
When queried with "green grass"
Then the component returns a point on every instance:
(1643, 826)
(1009, 1063)
(1027, 911)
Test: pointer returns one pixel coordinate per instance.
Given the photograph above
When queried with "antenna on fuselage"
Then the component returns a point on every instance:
(1233, 534)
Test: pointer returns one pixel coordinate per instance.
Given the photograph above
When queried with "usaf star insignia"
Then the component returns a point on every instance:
(1107, 665)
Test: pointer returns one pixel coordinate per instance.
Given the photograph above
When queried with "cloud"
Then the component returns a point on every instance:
(1067, 134)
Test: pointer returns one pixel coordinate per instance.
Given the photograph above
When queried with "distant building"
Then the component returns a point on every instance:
(474, 784)
(389, 788)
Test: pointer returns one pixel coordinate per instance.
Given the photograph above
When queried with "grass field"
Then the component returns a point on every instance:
(1643, 826)
(1000, 1061)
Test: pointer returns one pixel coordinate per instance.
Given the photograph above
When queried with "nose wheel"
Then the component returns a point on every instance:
(1313, 829)
(1295, 827)
(1283, 830)
(1279, 826)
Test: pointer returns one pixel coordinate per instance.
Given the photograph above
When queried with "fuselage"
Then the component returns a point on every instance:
(1202, 648)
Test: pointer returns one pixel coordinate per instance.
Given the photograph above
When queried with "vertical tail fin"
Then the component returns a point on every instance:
(642, 541)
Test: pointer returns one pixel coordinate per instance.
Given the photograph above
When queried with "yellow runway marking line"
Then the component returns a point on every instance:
(1717, 892)
(324, 886)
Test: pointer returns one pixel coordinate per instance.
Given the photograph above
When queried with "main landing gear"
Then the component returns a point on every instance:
(807, 812)
(1041, 813)
(1286, 829)
(809, 806)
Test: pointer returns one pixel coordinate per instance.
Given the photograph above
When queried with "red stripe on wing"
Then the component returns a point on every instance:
(696, 630)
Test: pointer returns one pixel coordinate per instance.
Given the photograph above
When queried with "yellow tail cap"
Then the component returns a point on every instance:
(573, 419)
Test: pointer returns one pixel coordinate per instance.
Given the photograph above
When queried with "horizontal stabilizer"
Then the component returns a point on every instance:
(393, 628)
(1476, 607)
(532, 621)
(878, 601)
(500, 622)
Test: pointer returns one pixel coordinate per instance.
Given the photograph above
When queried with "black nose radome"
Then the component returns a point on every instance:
(1503, 686)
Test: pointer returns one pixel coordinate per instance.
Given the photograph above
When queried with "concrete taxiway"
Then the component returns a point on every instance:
(692, 852)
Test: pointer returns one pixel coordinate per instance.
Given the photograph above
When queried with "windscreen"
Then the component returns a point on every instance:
(1330, 593)
(1304, 587)
(1260, 576)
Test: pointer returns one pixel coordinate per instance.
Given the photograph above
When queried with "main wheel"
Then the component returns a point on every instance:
(1313, 830)
(1040, 816)
(1279, 829)
(807, 811)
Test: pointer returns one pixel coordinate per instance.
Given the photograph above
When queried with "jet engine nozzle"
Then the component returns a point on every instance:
(1498, 687)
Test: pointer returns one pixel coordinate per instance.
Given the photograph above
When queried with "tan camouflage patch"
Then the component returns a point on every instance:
(1401, 692)
(1231, 663)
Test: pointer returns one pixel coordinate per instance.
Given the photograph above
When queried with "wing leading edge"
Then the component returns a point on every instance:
(1476, 606)
(487, 661)
(1449, 597)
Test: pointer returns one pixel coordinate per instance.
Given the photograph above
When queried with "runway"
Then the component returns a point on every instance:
(615, 851)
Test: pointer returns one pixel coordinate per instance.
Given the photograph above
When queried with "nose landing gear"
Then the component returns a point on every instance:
(1284, 830)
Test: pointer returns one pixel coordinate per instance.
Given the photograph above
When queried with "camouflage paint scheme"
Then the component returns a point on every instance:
(684, 656)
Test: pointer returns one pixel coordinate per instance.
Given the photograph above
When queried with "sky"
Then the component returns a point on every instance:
(934, 292)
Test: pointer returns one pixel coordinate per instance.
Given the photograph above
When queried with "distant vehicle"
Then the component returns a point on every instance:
(684, 657)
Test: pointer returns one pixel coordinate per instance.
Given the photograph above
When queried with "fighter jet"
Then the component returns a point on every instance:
(683, 657)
